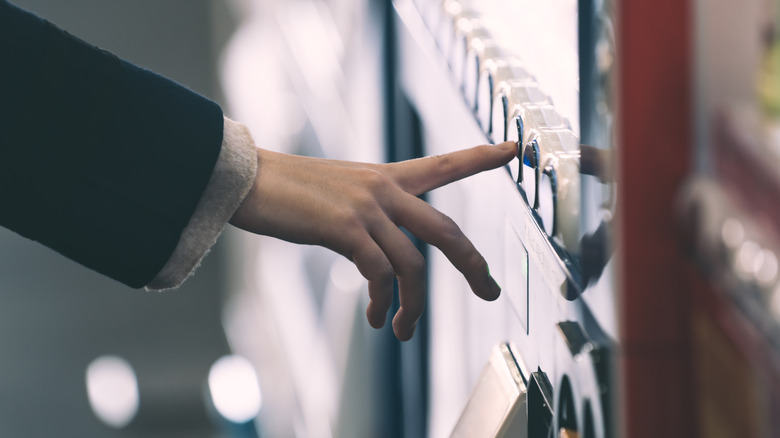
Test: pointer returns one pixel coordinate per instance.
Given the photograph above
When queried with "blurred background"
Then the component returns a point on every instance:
(94, 358)
(635, 236)
(58, 318)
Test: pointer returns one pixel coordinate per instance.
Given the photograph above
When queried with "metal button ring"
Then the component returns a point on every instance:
(499, 115)
(467, 30)
(479, 49)
(510, 101)
(493, 73)
(515, 131)
(529, 177)
(547, 200)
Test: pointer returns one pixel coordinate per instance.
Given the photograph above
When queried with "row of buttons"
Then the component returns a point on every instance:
(510, 106)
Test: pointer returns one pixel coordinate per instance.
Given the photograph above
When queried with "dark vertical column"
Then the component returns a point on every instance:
(654, 155)
(585, 17)
(405, 401)
(388, 401)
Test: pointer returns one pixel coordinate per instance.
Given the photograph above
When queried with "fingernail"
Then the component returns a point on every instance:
(376, 321)
(411, 331)
(495, 289)
(402, 334)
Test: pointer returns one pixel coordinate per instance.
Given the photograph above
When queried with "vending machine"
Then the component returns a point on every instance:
(540, 361)
(635, 234)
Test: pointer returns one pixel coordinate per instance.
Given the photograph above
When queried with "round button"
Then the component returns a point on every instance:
(467, 30)
(511, 134)
(529, 177)
(480, 50)
(498, 125)
(485, 103)
(547, 199)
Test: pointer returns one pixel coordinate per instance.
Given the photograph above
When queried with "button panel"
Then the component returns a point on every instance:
(509, 105)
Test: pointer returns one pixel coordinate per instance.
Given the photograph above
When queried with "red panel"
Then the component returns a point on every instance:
(655, 61)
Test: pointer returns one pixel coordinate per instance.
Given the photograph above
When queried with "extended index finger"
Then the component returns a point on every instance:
(424, 174)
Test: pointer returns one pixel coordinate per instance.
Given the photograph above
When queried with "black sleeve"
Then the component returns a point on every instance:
(100, 160)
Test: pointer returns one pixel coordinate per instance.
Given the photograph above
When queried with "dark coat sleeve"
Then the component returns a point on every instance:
(100, 160)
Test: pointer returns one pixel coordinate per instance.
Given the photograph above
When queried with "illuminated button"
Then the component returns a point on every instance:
(452, 12)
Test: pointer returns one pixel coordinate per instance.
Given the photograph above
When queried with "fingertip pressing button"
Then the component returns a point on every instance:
(529, 177)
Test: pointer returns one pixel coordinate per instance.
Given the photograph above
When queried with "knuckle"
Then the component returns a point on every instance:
(444, 162)
(385, 274)
(352, 222)
(416, 266)
(363, 203)
(366, 193)
(374, 180)
(476, 261)
(380, 273)
(449, 229)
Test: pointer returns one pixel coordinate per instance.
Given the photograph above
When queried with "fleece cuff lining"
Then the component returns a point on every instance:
(233, 176)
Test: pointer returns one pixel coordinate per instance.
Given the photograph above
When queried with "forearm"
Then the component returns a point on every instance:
(100, 160)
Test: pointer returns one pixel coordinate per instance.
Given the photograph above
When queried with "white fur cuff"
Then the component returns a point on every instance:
(233, 176)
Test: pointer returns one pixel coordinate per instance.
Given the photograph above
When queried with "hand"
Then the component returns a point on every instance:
(356, 210)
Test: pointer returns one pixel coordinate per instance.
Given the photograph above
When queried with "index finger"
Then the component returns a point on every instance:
(423, 174)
